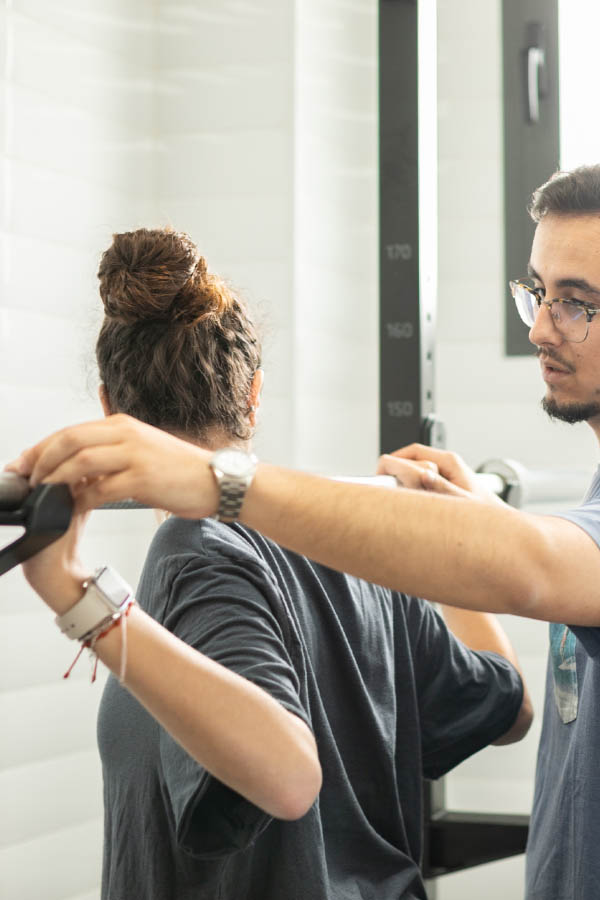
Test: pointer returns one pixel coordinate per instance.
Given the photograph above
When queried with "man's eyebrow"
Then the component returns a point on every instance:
(580, 284)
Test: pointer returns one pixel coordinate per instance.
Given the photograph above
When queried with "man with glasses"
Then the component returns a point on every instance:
(572, 317)
(449, 543)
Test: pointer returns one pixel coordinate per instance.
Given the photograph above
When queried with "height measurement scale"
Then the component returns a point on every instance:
(408, 263)
(407, 222)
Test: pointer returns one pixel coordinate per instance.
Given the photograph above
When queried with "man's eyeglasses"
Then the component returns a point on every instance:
(571, 317)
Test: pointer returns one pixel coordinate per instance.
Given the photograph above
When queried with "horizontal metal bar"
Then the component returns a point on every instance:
(459, 840)
(509, 479)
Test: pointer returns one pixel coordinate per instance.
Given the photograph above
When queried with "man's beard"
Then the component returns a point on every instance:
(570, 412)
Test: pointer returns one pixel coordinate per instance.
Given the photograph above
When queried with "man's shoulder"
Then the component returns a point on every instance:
(593, 494)
(587, 514)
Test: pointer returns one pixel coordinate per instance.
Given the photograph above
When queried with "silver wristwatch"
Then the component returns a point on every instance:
(234, 470)
(106, 595)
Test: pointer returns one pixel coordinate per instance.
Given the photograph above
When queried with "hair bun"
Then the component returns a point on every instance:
(159, 275)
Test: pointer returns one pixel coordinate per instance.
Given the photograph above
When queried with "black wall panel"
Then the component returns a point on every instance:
(531, 134)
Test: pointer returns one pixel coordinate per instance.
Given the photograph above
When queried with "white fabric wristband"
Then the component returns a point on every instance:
(105, 598)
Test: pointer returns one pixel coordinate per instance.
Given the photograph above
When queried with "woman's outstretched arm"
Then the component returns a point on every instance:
(232, 727)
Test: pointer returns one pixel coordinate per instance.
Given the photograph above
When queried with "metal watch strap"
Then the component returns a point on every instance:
(234, 470)
(232, 497)
(106, 593)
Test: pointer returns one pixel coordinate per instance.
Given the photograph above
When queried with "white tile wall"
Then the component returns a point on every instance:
(335, 248)
(225, 114)
(56, 875)
(76, 162)
(579, 23)
(205, 116)
(267, 156)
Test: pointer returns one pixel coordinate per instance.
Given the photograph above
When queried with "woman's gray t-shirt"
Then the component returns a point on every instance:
(388, 692)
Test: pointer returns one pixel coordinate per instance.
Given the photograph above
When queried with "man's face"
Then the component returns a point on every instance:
(565, 262)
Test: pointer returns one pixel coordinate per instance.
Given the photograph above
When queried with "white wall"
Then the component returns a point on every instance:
(252, 126)
(267, 155)
(579, 131)
(336, 252)
(76, 156)
(225, 166)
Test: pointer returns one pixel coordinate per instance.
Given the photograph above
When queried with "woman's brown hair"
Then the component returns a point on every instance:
(177, 347)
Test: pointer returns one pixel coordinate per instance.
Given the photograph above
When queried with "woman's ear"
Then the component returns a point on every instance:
(104, 400)
(254, 396)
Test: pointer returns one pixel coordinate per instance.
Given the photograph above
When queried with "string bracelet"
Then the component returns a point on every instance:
(90, 640)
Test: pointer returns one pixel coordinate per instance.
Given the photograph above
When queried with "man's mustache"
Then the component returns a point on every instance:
(546, 354)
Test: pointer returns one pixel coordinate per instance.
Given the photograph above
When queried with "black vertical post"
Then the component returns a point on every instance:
(531, 134)
(407, 303)
(407, 173)
(407, 312)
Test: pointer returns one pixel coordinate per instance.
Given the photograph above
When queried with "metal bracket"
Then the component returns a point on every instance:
(535, 71)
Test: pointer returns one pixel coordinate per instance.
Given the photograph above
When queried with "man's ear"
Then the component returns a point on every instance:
(254, 396)
(104, 400)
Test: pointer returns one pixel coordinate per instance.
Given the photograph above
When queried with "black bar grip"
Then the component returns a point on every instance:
(45, 515)
(13, 490)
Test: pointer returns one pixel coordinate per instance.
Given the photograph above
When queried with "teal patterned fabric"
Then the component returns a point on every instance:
(564, 669)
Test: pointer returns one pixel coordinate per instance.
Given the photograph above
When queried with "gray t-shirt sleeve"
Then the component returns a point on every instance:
(467, 699)
(587, 517)
(229, 610)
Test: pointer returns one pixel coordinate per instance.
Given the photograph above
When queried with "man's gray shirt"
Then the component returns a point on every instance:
(563, 857)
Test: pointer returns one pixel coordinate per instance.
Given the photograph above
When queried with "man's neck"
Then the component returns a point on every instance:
(594, 424)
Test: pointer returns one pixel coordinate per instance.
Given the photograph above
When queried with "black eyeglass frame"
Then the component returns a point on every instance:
(590, 311)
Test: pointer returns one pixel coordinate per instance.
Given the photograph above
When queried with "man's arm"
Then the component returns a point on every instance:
(477, 630)
(455, 550)
(459, 551)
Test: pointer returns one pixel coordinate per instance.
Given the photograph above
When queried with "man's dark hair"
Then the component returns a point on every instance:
(568, 193)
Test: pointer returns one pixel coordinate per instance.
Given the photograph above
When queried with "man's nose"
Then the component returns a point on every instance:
(544, 330)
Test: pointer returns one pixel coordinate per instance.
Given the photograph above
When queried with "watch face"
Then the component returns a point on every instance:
(234, 462)
(110, 584)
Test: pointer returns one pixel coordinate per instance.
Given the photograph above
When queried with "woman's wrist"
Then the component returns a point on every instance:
(62, 590)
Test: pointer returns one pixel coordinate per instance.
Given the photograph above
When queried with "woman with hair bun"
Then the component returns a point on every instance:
(269, 720)
(177, 348)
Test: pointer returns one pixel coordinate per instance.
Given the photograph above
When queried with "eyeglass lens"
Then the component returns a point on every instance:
(569, 318)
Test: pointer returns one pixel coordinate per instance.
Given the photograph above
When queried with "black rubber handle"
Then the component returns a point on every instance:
(13, 490)
(45, 515)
